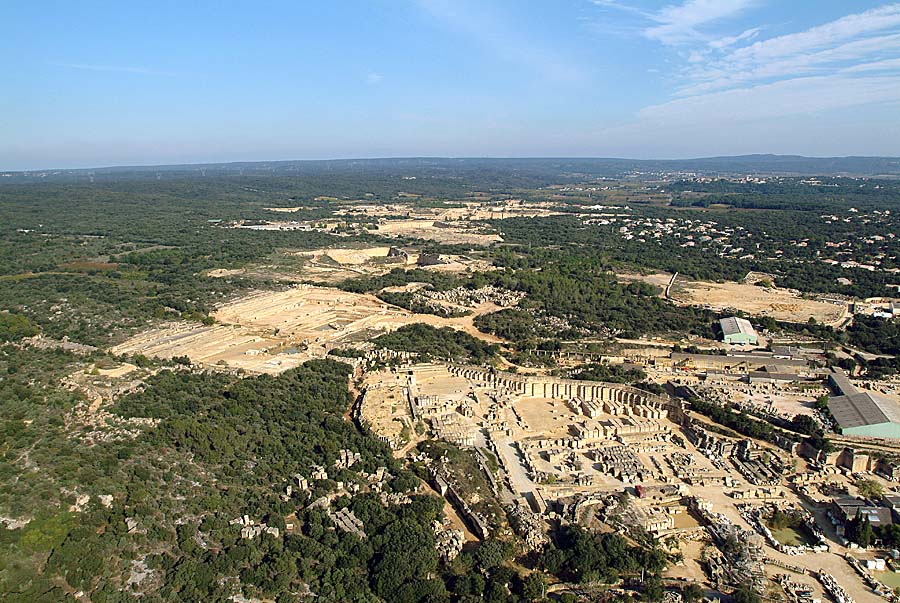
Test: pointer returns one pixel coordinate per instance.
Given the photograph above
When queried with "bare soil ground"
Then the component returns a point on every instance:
(780, 304)
(462, 233)
(270, 332)
(385, 407)
(546, 417)
(690, 569)
(333, 265)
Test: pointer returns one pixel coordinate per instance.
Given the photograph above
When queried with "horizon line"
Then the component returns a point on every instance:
(149, 166)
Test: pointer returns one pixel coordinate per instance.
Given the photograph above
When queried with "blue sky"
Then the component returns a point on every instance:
(119, 83)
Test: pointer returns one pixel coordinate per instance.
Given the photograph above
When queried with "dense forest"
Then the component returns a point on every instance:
(610, 373)
(573, 288)
(415, 302)
(816, 194)
(397, 277)
(431, 343)
(514, 324)
(15, 326)
(221, 448)
(797, 266)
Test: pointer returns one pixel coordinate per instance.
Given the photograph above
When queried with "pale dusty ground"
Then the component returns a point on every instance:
(497, 212)
(818, 591)
(780, 304)
(408, 287)
(471, 210)
(385, 407)
(106, 384)
(442, 384)
(118, 371)
(830, 562)
(333, 265)
(462, 233)
(777, 303)
(542, 416)
(356, 256)
(225, 272)
(546, 417)
(690, 568)
(784, 402)
(271, 332)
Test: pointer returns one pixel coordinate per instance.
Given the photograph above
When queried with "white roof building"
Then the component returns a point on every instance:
(738, 330)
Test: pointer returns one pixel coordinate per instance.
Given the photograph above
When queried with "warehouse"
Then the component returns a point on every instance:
(863, 413)
(738, 331)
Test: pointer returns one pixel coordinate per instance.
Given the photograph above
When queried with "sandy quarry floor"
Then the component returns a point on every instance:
(497, 212)
(333, 265)
(463, 233)
(269, 332)
(356, 256)
(780, 304)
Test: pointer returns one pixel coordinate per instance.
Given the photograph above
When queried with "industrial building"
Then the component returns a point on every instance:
(738, 331)
(862, 413)
(846, 508)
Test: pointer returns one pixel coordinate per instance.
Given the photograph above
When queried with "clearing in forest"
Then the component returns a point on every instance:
(781, 304)
(272, 331)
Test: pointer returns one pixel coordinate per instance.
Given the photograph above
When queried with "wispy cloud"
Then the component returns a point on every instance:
(860, 44)
(885, 65)
(373, 78)
(728, 41)
(622, 7)
(114, 69)
(823, 36)
(728, 80)
(681, 23)
(788, 97)
(865, 37)
(791, 113)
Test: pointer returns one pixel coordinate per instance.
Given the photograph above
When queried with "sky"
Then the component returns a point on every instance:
(88, 84)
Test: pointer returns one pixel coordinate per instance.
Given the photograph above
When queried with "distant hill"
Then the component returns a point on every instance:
(791, 165)
(537, 169)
